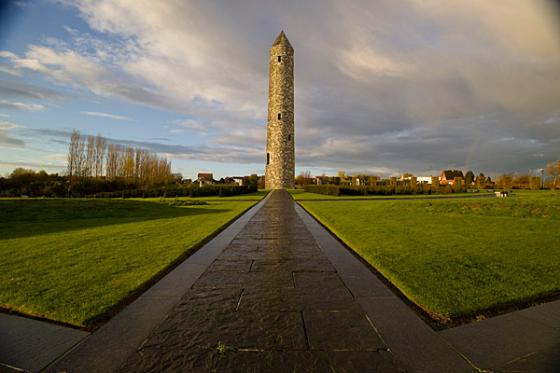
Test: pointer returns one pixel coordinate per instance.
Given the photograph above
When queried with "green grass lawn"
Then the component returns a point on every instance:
(72, 260)
(460, 257)
(300, 194)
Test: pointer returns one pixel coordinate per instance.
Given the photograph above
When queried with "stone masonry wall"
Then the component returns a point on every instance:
(280, 168)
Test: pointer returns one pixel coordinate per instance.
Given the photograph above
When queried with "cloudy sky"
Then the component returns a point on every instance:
(382, 86)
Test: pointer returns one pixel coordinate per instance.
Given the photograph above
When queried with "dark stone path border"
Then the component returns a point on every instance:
(108, 347)
(522, 341)
(31, 344)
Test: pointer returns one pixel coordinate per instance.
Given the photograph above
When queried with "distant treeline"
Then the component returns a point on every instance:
(101, 170)
(93, 157)
(393, 186)
(23, 182)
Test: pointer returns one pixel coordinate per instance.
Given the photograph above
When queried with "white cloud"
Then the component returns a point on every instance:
(6, 139)
(21, 106)
(48, 166)
(5, 125)
(182, 125)
(363, 64)
(9, 70)
(62, 157)
(106, 115)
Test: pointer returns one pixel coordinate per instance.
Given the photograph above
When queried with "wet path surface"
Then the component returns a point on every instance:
(271, 301)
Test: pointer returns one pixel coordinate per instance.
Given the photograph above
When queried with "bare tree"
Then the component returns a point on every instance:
(89, 157)
(553, 169)
(81, 157)
(100, 149)
(112, 162)
(73, 153)
(128, 163)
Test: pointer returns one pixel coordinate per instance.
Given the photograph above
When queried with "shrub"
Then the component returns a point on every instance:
(353, 191)
(330, 190)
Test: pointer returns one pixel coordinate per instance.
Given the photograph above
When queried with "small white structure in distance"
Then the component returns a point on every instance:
(424, 179)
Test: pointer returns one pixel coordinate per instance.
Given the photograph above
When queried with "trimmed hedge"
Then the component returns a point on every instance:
(61, 186)
(182, 191)
(380, 189)
(331, 190)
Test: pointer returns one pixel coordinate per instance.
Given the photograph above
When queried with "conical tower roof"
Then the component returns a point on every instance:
(282, 40)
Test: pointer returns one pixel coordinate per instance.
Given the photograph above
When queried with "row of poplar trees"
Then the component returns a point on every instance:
(93, 157)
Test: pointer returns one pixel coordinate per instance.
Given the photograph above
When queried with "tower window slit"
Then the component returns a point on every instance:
(289, 137)
(267, 158)
(279, 58)
(279, 116)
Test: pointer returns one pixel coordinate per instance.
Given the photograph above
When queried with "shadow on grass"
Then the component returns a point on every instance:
(26, 218)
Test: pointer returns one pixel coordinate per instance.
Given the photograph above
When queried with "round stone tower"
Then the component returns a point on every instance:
(280, 158)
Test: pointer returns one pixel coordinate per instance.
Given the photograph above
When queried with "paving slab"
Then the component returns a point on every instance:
(341, 330)
(546, 313)
(297, 299)
(291, 265)
(31, 345)
(318, 280)
(544, 361)
(508, 340)
(412, 341)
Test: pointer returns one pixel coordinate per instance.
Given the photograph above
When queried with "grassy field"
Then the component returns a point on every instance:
(456, 258)
(300, 194)
(72, 260)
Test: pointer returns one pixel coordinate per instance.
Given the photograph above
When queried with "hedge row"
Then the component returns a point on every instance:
(330, 190)
(181, 191)
(60, 187)
(335, 190)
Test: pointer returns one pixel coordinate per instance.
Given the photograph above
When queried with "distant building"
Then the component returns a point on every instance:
(205, 178)
(419, 179)
(239, 180)
(424, 179)
(322, 180)
(447, 177)
(326, 180)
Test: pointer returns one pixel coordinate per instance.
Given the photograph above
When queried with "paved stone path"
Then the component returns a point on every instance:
(273, 302)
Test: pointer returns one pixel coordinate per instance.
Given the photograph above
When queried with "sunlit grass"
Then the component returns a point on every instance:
(456, 257)
(72, 260)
